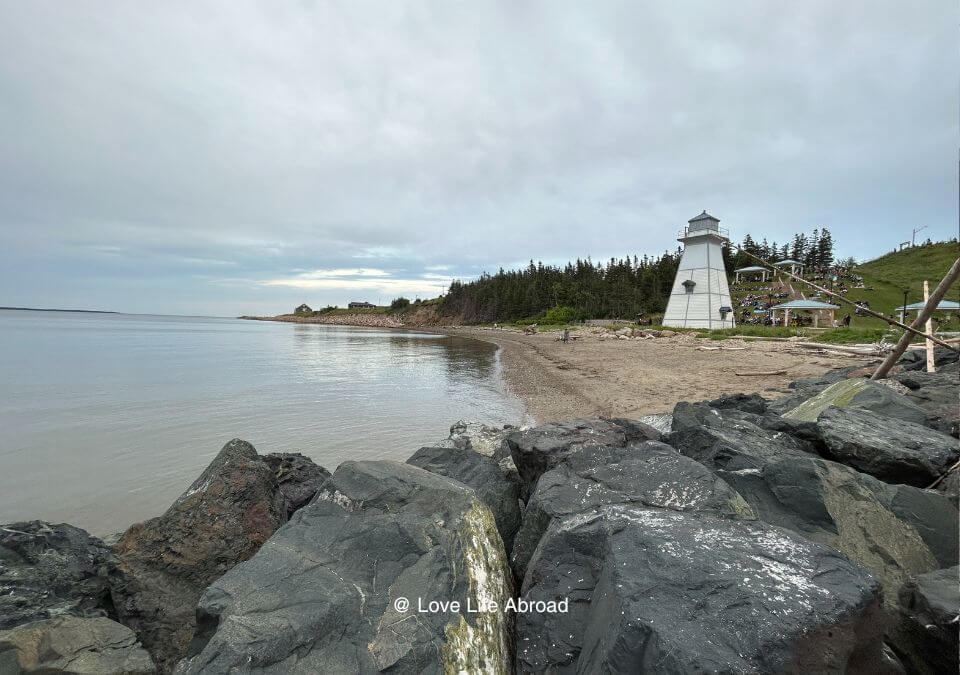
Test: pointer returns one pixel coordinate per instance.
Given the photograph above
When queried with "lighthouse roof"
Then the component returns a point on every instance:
(703, 216)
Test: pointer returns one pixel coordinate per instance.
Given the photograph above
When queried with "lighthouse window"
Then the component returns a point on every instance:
(688, 285)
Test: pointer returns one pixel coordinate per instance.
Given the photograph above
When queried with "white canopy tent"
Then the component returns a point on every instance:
(799, 305)
(755, 269)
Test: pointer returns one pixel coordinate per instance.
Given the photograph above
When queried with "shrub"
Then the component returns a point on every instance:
(558, 315)
(400, 303)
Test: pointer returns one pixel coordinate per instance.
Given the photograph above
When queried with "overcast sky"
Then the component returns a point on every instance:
(234, 157)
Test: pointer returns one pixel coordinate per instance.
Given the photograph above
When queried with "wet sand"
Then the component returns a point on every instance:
(590, 376)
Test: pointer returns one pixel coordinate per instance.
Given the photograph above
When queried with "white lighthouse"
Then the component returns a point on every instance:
(701, 297)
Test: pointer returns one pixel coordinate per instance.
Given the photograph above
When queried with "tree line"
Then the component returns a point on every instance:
(625, 288)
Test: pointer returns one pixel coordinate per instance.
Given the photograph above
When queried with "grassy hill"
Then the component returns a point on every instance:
(885, 279)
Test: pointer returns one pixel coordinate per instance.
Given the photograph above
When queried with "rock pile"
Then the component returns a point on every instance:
(739, 536)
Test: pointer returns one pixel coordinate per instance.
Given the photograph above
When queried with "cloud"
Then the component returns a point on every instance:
(143, 146)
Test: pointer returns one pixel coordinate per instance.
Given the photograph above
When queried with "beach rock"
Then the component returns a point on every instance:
(655, 590)
(323, 594)
(936, 394)
(894, 531)
(724, 439)
(892, 450)
(916, 359)
(949, 487)
(751, 403)
(499, 490)
(167, 562)
(648, 474)
(541, 448)
(635, 430)
(480, 438)
(298, 477)
(49, 570)
(926, 637)
(68, 644)
(862, 394)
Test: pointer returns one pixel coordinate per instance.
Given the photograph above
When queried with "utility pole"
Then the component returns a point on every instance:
(913, 237)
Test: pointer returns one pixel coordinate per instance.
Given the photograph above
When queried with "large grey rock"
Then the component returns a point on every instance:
(926, 637)
(537, 450)
(480, 438)
(728, 439)
(648, 474)
(637, 431)
(49, 570)
(69, 644)
(892, 450)
(895, 531)
(862, 394)
(498, 489)
(751, 403)
(937, 395)
(655, 590)
(321, 596)
(167, 562)
(916, 359)
(298, 477)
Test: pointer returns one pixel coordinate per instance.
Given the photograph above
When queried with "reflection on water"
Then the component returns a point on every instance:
(107, 418)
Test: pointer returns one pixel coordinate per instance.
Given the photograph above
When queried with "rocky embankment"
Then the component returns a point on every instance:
(812, 534)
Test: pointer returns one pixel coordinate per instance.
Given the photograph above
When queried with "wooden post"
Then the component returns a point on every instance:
(786, 318)
(931, 365)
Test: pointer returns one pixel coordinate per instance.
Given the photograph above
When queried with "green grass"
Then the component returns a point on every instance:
(886, 277)
(751, 330)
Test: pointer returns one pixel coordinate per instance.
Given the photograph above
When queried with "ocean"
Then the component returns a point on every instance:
(106, 418)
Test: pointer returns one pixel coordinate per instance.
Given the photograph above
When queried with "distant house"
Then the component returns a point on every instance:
(303, 309)
(361, 305)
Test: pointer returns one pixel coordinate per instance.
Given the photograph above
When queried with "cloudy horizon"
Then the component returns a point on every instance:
(229, 158)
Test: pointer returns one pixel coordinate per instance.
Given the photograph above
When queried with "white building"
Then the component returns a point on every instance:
(701, 297)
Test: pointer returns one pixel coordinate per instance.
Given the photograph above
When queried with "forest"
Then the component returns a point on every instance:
(628, 288)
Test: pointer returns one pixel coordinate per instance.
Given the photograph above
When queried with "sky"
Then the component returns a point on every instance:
(227, 158)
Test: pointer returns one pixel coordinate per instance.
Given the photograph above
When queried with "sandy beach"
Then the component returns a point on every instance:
(590, 376)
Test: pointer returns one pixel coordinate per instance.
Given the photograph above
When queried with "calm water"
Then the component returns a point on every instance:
(105, 419)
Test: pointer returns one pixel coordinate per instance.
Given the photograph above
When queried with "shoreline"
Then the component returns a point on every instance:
(596, 376)
(593, 377)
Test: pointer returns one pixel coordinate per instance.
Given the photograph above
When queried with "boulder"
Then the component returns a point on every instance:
(751, 403)
(167, 562)
(894, 531)
(480, 438)
(49, 570)
(648, 474)
(862, 394)
(936, 394)
(69, 644)
(926, 638)
(950, 487)
(326, 594)
(656, 590)
(892, 450)
(498, 489)
(727, 439)
(541, 448)
(298, 477)
(635, 430)
(916, 359)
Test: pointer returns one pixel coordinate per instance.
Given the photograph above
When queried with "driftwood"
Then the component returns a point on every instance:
(868, 351)
(762, 374)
